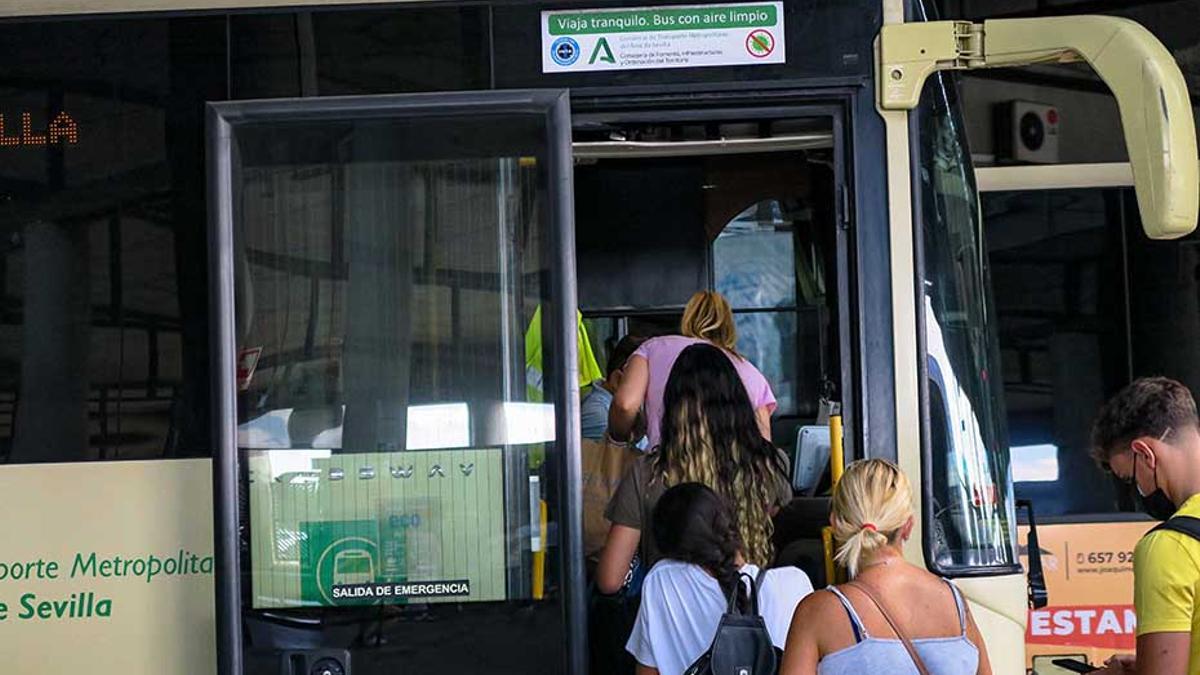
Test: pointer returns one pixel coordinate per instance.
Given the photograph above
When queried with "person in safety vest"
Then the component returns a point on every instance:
(589, 370)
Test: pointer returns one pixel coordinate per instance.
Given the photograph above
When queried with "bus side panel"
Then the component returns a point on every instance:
(998, 607)
(1089, 576)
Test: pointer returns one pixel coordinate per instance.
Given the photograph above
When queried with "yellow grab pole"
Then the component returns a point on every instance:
(539, 556)
(837, 464)
(837, 455)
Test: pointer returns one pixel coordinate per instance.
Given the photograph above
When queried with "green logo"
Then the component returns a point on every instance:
(348, 552)
(336, 553)
(602, 52)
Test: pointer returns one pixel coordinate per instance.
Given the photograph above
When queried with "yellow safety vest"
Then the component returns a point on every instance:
(589, 369)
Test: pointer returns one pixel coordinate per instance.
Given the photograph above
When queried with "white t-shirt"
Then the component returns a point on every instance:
(682, 605)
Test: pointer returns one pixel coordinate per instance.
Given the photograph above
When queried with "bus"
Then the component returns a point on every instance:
(301, 298)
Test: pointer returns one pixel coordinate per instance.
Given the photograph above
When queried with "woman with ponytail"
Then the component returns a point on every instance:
(685, 594)
(709, 436)
(860, 627)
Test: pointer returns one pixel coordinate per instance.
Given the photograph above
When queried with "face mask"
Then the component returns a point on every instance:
(1156, 504)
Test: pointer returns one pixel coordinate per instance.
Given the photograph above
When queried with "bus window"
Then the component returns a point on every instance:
(359, 52)
(1059, 273)
(753, 267)
(969, 501)
(1085, 303)
(106, 357)
(761, 259)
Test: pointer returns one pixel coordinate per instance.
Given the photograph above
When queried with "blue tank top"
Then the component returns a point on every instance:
(942, 656)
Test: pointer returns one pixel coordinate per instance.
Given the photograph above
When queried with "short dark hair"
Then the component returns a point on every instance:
(693, 524)
(621, 352)
(1147, 407)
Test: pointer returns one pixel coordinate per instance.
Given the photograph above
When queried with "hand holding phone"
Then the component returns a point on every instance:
(1074, 666)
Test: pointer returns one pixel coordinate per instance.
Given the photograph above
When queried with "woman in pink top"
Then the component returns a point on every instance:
(707, 318)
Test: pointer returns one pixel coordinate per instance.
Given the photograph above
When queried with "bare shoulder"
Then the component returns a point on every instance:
(816, 604)
(813, 620)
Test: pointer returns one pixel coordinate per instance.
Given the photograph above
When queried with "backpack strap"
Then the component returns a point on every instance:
(755, 589)
(1182, 524)
(753, 584)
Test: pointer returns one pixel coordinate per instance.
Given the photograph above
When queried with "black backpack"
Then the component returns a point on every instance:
(1182, 524)
(742, 645)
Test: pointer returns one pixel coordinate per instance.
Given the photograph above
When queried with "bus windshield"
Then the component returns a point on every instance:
(968, 495)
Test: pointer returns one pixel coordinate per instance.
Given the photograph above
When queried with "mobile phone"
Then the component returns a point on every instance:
(1074, 666)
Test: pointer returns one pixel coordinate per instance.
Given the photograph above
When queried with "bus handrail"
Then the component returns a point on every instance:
(628, 149)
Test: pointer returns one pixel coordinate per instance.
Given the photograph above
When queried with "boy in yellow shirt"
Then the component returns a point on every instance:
(1147, 435)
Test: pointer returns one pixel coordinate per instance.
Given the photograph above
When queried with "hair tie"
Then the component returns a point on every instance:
(870, 526)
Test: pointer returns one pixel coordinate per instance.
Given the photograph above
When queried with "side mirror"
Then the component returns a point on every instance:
(1038, 597)
(1156, 110)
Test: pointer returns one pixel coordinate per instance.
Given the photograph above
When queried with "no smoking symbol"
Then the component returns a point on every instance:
(760, 43)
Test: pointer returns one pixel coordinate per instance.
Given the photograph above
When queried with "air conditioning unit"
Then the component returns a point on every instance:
(1026, 132)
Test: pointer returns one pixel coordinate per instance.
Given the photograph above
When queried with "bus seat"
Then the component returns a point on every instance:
(797, 536)
(808, 555)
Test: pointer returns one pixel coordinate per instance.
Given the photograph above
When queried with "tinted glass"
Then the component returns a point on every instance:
(754, 259)
(1059, 274)
(394, 418)
(104, 317)
(769, 340)
(824, 39)
(971, 510)
(1086, 304)
(334, 53)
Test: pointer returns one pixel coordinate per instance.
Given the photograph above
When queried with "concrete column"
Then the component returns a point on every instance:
(385, 208)
(52, 423)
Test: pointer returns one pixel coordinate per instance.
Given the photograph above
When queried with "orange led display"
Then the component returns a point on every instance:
(62, 130)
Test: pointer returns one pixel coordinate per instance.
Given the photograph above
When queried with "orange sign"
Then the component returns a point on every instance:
(1089, 578)
(62, 129)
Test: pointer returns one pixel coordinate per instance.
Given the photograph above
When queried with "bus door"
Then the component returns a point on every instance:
(395, 492)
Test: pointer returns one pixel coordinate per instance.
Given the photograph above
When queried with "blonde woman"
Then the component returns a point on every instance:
(709, 436)
(855, 628)
(706, 319)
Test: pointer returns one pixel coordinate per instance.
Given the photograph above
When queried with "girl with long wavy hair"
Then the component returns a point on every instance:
(685, 594)
(709, 436)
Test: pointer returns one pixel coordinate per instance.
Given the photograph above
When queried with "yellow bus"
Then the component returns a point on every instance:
(328, 259)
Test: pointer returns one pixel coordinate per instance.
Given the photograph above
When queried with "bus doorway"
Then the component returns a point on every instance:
(742, 207)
